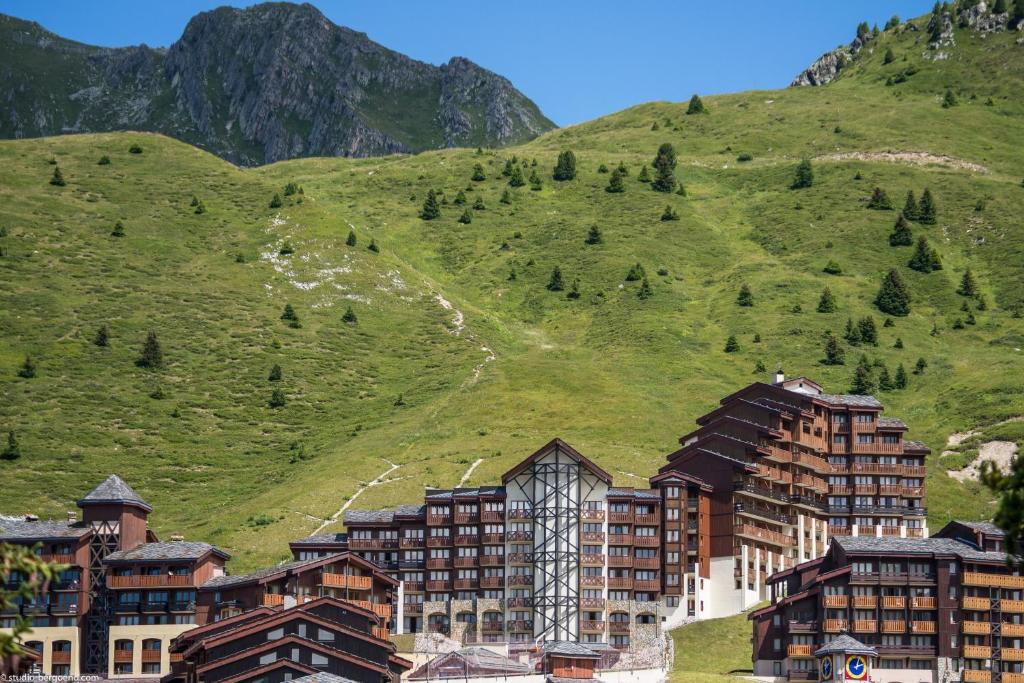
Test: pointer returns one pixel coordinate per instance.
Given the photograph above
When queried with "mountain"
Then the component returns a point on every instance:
(459, 351)
(271, 82)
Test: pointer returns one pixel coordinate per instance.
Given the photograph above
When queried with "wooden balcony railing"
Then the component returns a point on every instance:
(489, 516)
(977, 676)
(60, 656)
(618, 626)
(814, 462)
(976, 603)
(520, 625)
(865, 626)
(647, 563)
(527, 514)
(1013, 630)
(122, 656)
(150, 656)
(922, 627)
(865, 601)
(978, 628)
(439, 585)
(492, 625)
(273, 599)
(836, 601)
(438, 520)
(381, 632)
(894, 626)
(766, 535)
(592, 581)
(492, 581)
(977, 652)
(995, 580)
(591, 626)
(894, 602)
(645, 518)
(439, 563)
(592, 603)
(372, 543)
(1012, 654)
(492, 560)
(646, 584)
(520, 558)
(800, 651)
(467, 561)
(620, 582)
(149, 581)
(1015, 606)
(492, 539)
(620, 539)
(520, 580)
(467, 539)
(592, 559)
(620, 517)
(593, 514)
(466, 584)
(834, 625)
(439, 541)
(646, 541)
(923, 602)
(363, 583)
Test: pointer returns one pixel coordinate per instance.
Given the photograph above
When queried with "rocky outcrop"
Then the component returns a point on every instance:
(270, 82)
(826, 68)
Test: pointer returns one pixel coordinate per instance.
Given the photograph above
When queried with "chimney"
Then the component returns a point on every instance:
(779, 376)
(72, 516)
(31, 518)
(177, 537)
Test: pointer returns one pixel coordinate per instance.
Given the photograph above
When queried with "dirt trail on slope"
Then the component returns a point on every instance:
(911, 158)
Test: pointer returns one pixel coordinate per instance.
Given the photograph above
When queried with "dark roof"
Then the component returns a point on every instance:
(846, 643)
(21, 529)
(166, 550)
(561, 447)
(225, 581)
(268, 573)
(114, 490)
(916, 446)
(322, 677)
(568, 648)
(448, 494)
(850, 400)
(411, 511)
(892, 544)
(891, 423)
(633, 493)
(369, 517)
(321, 539)
(987, 528)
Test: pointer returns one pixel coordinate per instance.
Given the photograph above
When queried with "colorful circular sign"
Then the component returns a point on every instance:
(856, 667)
(826, 669)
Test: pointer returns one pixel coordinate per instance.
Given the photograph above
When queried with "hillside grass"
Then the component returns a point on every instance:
(619, 377)
(712, 651)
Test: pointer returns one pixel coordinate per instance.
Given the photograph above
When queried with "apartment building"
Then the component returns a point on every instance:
(935, 609)
(789, 467)
(123, 594)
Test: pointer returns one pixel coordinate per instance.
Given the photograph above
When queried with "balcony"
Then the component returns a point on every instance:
(647, 563)
(467, 539)
(520, 513)
(803, 626)
(492, 626)
(977, 652)
(865, 626)
(593, 515)
(493, 539)
(810, 481)
(894, 626)
(865, 489)
(773, 452)
(978, 628)
(467, 561)
(618, 626)
(123, 656)
(439, 541)
(1010, 654)
(520, 626)
(836, 601)
(413, 586)
(977, 676)
(151, 656)
(519, 602)
(839, 530)
(466, 584)
(591, 626)
(520, 558)
(491, 582)
(759, 491)
(620, 539)
(467, 517)
(976, 603)
(834, 625)
(1015, 606)
(817, 464)
(372, 543)
(993, 580)
(1011, 630)
(799, 650)
(763, 512)
(647, 541)
(912, 491)
(149, 581)
(620, 582)
(520, 580)
(591, 560)
(840, 490)
(439, 563)
(411, 542)
(60, 656)
(646, 584)
(592, 537)
(620, 517)
(515, 536)
(894, 602)
(922, 627)
(492, 560)
(435, 519)
(592, 603)
(922, 602)
(492, 516)
(381, 632)
(766, 535)
(362, 583)
(58, 558)
(592, 581)
(439, 586)
(773, 474)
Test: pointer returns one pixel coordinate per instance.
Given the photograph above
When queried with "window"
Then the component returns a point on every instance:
(865, 438)
(671, 491)
(865, 418)
(839, 439)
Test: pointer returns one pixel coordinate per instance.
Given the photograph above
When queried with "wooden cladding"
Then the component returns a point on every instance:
(992, 580)
(347, 581)
(149, 581)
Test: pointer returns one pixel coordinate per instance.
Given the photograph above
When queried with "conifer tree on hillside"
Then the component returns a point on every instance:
(536, 185)
(555, 284)
(911, 211)
(644, 176)
(58, 177)
(833, 267)
(852, 333)
(479, 205)
(863, 30)
(275, 201)
(804, 176)
(868, 330)
(863, 383)
(696, 106)
(460, 198)
(277, 399)
(349, 316)
(516, 179)
(431, 208)
(669, 214)
(27, 369)
(466, 217)
(834, 354)
(893, 296)
(594, 235)
(645, 290)
(506, 197)
(745, 297)
(889, 56)
(12, 451)
(885, 382)
(372, 246)
(664, 169)
(102, 337)
(622, 169)
(574, 290)
(827, 302)
(925, 258)
(615, 183)
(949, 99)
(152, 356)
(565, 168)
(968, 285)
(731, 345)
(275, 373)
(927, 212)
(901, 235)
(900, 380)
(880, 200)
(351, 239)
(478, 173)
(118, 230)
(636, 272)
(507, 170)
(290, 316)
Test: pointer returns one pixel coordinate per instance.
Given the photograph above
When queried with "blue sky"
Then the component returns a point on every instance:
(577, 59)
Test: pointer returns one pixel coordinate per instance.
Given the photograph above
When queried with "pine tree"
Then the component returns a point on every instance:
(804, 176)
(949, 99)
(731, 345)
(644, 176)
(593, 235)
(745, 297)
(574, 290)
(834, 354)
(893, 297)
(536, 185)
(927, 212)
(885, 382)
(970, 319)
(920, 366)
(565, 168)
(275, 373)
(555, 284)
(901, 235)
(621, 168)
(27, 369)
(372, 246)
(696, 106)
(636, 272)
(669, 214)
(152, 356)
(898, 344)
(900, 381)
(833, 268)
(478, 173)
(118, 230)
(466, 217)
(863, 382)
(200, 207)
(479, 205)
(13, 450)
(868, 330)
(431, 209)
(351, 239)
(290, 316)
(102, 337)
(880, 200)
(507, 170)
(889, 57)
(645, 290)
(506, 197)
(968, 285)
(104, 161)
(460, 198)
(516, 179)
(925, 259)
(958, 324)
(349, 316)
(615, 183)
(58, 177)
(664, 168)
(275, 201)
(759, 368)
(757, 337)
(911, 211)
(852, 333)
(603, 168)
(827, 302)
(277, 399)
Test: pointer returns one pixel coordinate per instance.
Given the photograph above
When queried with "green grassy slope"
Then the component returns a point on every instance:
(617, 376)
(730, 657)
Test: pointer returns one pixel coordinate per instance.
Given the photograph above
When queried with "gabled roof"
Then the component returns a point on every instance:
(682, 477)
(253, 674)
(622, 492)
(915, 447)
(987, 528)
(322, 539)
(22, 529)
(563, 448)
(568, 648)
(847, 644)
(322, 677)
(166, 550)
(850, 400)
(926, 546)
(477, 662)
(891, 423)
(297, 566)
(114, 490)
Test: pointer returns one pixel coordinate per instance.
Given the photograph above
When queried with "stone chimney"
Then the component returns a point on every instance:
(779, 377)
(72, 516)
(177, 537)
